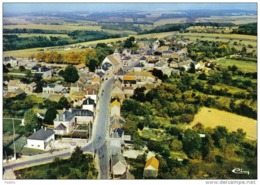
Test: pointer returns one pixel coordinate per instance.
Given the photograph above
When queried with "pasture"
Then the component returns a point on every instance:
(229, 19)
(245, 66)
(210, 117)
(162, 22)
(67, 27)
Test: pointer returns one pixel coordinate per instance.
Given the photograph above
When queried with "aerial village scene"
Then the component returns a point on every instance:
(162, 91)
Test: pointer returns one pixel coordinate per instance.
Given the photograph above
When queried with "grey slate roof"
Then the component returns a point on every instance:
(88, 101)
(68, 116)
(115, 118)
(60, 127)
(100, 73)
(118, 132)
(41, 134)
(106, 66)
(121, 72)
(81, 112)
(118, 158)
(139, 65)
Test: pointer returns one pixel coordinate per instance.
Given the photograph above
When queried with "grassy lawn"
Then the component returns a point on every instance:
(8, 125)
(210, 117)
(154, 134)
(181, 155)
(230, 89)
(31, 151)
(242, 65)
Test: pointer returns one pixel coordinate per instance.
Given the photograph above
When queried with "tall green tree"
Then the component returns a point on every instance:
(63, 103)
(50, 115)
(71, 74)
(31, 121)
(191, 142)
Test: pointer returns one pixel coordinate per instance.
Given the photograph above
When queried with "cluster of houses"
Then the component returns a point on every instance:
(131, 71)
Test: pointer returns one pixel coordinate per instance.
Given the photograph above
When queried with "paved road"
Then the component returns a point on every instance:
(97, 144)
(100, 132)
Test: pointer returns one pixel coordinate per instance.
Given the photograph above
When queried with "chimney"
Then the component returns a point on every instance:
(41, 127)
(63, 117)
(57, 117)
(70, 110)
(64, 109)
(34, 130)
(45, 128)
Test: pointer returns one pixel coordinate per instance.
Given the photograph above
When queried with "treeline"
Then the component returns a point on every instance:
(121, 26)
(248, 29)
(39, 31)
(182, 27)
(84, 36)
(14, 42)
(90, 56)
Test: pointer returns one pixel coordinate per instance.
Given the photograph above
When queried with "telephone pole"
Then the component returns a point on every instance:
(13, 140)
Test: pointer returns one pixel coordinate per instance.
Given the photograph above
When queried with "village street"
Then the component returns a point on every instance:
(97, 144)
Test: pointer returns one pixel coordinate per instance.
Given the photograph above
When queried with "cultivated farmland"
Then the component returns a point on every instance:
(210, 117)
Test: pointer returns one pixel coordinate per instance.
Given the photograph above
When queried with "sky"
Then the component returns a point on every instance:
(39, 7)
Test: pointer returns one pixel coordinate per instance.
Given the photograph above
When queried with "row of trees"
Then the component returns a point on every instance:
(92, 57)
(78, 166)
(14, 42)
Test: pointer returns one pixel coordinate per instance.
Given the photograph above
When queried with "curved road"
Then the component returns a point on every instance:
(97, 143)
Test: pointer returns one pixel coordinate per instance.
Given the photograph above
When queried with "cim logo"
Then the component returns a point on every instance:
(240, 171)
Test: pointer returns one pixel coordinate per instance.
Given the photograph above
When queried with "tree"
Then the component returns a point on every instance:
(21, 68)
(31, 121)
(191, 142)
(78, 159)
(5, 69)
(50, 115)
(63, 103)
(129, 42)
(202, 76)
(220, 132)
(176, 145)
(71, 74)
(93, 64)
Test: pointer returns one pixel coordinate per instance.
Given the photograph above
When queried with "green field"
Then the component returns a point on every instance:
(210, 117)
(25, 53)
(229, 19)
(8, 125)
(243, 65)
(162, 22)
(251, 38)
(67, 27)
(37, 35)
(214, 29)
